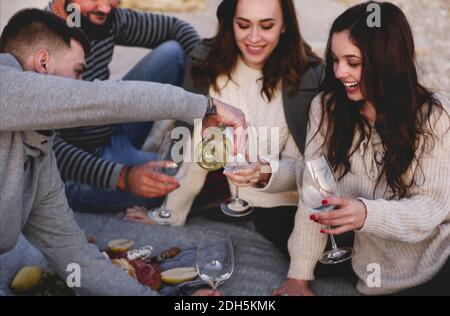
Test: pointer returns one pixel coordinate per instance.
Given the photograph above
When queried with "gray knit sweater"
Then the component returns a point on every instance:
(32, 198)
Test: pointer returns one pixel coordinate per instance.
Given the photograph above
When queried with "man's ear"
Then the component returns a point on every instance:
(41, 61)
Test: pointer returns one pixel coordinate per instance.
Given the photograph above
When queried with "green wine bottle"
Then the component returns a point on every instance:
(211, 154)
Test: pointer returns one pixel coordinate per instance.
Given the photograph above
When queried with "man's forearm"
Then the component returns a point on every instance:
(29, 101)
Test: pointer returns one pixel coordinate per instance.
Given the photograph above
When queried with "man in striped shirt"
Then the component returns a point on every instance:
(93, 160)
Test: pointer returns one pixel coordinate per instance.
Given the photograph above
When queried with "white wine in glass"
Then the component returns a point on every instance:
(319, 183)
(174, 168)
(236, 206)
(245, 150)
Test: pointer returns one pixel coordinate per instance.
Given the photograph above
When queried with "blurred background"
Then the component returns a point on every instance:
(430, 20)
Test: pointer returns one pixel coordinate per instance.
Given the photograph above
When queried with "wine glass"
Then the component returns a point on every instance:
(235, 206)
(244, 150)
(215, 256)
(319, 183)
(173, 168)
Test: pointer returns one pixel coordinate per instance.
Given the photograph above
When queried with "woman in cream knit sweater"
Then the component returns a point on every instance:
(258, 62)
(388, 139)
(262, 55)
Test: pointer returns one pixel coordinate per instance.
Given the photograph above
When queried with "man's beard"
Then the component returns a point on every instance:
(95, 31)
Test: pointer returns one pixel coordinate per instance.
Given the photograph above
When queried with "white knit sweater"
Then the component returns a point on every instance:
(244, 92)
(409, 239)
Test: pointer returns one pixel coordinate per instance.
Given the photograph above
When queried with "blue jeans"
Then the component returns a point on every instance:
(165, 64)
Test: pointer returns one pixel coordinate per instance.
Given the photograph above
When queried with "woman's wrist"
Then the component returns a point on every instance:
(264, 177)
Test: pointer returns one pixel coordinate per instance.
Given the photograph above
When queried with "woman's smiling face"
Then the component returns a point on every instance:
(258, 25)
(347, 64)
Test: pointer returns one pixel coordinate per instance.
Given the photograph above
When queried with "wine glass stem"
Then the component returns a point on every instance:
(236, 193)
(163, 205)
(333, 242)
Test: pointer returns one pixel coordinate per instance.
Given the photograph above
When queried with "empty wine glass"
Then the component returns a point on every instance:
(215, 256)
(319, 183)
(173, 168)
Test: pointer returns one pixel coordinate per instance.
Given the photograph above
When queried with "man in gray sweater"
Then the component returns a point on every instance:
(32, 105)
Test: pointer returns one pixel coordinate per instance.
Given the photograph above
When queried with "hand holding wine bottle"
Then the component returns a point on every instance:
(224, 114)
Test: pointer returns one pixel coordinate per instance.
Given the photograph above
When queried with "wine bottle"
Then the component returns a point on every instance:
(211, 154)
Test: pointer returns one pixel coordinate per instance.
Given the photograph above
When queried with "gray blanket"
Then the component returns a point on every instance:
(259, 266)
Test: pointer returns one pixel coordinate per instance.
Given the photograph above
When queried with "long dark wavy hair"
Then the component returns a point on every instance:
(390, 82)
(289, 61)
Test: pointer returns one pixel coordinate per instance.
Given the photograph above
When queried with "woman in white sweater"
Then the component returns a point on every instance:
(387, 138)
(259, 62)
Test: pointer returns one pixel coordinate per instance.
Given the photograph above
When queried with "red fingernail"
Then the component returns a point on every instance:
(322, 231)
(312, 217)
(325, 202)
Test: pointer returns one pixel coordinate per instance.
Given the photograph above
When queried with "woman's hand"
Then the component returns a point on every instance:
(350, 215)
(138, 214)
(207, 292)
(293, 287)
(250, 176)
(245, 177)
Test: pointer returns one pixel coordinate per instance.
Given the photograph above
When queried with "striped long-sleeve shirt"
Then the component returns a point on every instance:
(74, 147)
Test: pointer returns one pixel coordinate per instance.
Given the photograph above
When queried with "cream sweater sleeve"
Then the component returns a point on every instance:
(413, 219)
(306, 243)
(283, 176)
(180, 201)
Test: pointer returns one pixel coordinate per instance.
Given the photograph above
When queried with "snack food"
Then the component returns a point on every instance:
(179, 275)
(120, 245)
(26, 279)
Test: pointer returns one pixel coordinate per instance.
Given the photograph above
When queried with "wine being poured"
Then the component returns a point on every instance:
(211, 153)
(236, 206)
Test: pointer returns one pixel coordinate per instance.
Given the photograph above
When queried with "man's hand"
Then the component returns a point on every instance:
(207, 292)
(144, 181)
(350, 215)
(226, 114)
(294, 287)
